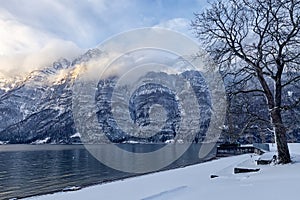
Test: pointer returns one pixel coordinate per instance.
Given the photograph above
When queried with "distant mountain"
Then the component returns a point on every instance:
(38, 108)
(146, 96)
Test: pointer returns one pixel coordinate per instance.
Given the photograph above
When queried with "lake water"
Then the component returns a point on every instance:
(28, 170)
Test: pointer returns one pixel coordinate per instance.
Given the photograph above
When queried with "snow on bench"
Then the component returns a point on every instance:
(266, 158)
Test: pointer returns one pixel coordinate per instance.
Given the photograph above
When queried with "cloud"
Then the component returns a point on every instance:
(30, 28)
(181, 25)
(88, 22)
(24, 48)
(17, 37)
(36, 33)
(22, 63)
(140, 51)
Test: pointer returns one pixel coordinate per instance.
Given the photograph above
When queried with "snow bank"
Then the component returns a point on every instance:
(75, 135)
(194, 182)
(44, 141)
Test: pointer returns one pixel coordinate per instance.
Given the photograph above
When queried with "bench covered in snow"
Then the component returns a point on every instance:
(266, 158)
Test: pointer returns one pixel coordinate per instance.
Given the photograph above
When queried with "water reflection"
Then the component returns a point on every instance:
(27, 170)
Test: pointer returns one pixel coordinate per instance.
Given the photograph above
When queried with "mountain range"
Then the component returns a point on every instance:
(37, 108)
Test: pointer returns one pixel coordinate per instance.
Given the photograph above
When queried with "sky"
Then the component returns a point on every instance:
(31, 30)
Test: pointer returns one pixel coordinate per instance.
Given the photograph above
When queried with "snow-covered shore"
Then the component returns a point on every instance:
(194, 182)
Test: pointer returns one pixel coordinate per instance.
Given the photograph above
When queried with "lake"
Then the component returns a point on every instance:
(28, 170)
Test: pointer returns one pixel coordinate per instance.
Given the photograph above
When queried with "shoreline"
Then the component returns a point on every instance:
(113, 180)
(85, 177)
(293, 146)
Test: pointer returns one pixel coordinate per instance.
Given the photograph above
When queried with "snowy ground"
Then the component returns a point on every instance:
(194, 182)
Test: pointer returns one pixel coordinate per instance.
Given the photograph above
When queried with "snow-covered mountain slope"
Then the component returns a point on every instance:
(38, 106)
(143, 98)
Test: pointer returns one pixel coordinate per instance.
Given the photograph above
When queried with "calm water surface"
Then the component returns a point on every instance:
(27, 170)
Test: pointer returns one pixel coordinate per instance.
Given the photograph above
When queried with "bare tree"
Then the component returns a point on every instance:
(256, 39)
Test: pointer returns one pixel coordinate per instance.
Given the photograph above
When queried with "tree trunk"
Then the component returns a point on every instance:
(274, 104)
(280, 136)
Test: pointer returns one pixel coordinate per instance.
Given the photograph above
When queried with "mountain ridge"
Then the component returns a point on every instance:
(40, 106)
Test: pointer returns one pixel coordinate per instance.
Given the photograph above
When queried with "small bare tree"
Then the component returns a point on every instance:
(256, 40)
